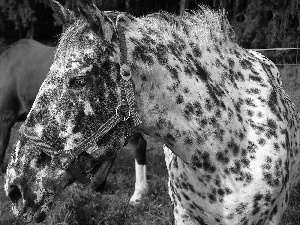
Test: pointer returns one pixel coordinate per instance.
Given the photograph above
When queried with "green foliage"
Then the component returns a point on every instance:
(20, 12)
(267, 24)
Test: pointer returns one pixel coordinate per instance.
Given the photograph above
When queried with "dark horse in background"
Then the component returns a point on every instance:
(23, 68)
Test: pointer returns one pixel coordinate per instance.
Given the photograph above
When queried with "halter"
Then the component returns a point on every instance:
(63, 159)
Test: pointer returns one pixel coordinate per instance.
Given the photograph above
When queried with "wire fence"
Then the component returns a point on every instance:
(285, 57)
(282, 56)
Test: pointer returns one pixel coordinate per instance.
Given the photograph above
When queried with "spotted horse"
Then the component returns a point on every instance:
(229, 129)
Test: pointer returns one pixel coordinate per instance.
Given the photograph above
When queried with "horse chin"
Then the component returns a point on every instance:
(38, 216)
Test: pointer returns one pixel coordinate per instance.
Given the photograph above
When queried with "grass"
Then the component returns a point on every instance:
(78, 205)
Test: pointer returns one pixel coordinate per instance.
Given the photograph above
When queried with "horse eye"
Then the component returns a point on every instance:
(77, 82)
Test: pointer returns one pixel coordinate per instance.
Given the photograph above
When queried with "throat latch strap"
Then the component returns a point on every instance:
(125, 72)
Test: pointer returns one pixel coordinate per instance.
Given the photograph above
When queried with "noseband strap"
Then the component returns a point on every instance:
(64, 159)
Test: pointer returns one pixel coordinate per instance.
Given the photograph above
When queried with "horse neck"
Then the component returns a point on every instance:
(167, 84)
(161, 116)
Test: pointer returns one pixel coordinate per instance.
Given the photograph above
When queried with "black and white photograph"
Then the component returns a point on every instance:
(158, 112)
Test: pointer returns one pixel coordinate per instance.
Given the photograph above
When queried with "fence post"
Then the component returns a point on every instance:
(182, 6)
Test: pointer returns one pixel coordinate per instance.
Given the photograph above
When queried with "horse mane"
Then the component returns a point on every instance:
(204, 21)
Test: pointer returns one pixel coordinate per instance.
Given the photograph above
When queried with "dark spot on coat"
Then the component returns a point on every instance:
(141, 52)
(161, 123)
(188, 71)
(222, 157)
(274, 104)
(228, 191)
(203, 122)
(219, 134)
(238, 104)
(161, 54)
(196, 51)
(188, 141)
(249, 101)
(276, 147)
(261, 141)
(221, 192)
(175, 50)
(240, 209)
(197, 108)
(173, 87)
(208, 104)
(186, 90)
(179, 99)
(245, 162)
(250, 113)
(253, 91)
(215, 91)
(170, 139)
(200, 220)
(201, 72)
(200, 140)
(212, 198)
(201, 159)
(174, 72)
(188, 110)
(255, 78)
(231, 63)
(274, 212)
(246, 64)
(235, 148)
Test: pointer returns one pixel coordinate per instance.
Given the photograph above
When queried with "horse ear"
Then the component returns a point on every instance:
(123, 20)
(66, 16)
(99, 22)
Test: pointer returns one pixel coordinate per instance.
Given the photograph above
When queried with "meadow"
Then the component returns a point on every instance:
(78, 205)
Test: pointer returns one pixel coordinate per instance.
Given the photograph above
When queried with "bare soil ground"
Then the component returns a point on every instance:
(79, 206)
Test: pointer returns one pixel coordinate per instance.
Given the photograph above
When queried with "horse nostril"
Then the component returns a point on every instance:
(14, 194)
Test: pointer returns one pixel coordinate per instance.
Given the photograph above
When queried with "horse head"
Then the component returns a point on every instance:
(80, 116)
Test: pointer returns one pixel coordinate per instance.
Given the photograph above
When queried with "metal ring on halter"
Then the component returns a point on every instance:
(125, 72)
(63, 160)
(118, 113)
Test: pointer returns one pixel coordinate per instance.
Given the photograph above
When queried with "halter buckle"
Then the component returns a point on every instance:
(62, 160)
(125, 117)
(125, 72)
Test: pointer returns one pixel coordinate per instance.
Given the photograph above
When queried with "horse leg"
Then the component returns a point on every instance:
(99, 180)
(5, 130)
(139, 144)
